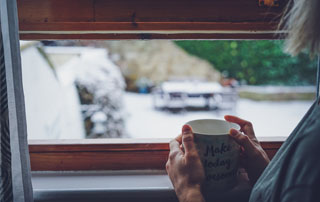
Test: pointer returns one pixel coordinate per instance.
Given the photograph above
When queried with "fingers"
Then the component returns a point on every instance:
(188, 140)
(244, 141)
(235, 119)
(246, 126)
(182, 149)
(174, 148)
(179, 139)
(185, 139)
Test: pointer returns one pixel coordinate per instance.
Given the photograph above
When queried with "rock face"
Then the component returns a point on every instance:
(158, 61)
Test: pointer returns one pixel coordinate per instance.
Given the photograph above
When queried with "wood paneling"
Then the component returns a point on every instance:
(113, 154)
(57, 19)
(181, 11)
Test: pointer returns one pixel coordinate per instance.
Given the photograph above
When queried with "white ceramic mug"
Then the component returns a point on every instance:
(218, 152)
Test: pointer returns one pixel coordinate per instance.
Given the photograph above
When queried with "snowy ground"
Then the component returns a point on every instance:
(268, 118)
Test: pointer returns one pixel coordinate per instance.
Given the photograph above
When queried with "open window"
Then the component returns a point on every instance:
(118, 20)
(161, 86)
(50, 20)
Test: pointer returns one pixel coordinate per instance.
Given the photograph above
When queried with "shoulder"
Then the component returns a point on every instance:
(308, 146)
(302, 171)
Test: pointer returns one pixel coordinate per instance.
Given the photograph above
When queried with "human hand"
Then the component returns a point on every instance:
(253, 158)
(184, 167)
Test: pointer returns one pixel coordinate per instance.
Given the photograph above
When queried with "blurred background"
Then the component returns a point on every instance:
(149, 89)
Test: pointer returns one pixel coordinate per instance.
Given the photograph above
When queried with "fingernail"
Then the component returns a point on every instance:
(186, 129)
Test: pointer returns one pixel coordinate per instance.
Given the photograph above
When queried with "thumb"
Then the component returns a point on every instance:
(187, 139)
(243, 140)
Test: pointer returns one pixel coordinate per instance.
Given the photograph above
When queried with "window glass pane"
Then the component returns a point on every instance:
(149, 89)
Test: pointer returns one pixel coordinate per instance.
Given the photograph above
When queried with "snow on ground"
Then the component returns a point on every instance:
(52, 107)
(268, 118)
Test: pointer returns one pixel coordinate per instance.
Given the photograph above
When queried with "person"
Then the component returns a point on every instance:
(293, 175)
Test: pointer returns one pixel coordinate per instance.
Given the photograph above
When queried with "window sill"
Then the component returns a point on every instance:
(111, 154)
(111, 186)
(101, 186)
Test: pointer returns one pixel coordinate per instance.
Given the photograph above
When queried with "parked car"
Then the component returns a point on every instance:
(187, 94)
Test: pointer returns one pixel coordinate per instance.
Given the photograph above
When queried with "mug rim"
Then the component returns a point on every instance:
(232, 125)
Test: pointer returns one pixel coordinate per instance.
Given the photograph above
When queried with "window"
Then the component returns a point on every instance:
(135, 20)
(126, 89)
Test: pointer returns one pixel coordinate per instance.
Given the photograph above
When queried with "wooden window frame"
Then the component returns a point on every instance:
(111, 154)
(141, 19)
(136, 19)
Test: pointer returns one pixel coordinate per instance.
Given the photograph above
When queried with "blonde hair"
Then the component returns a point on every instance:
(302, 21)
